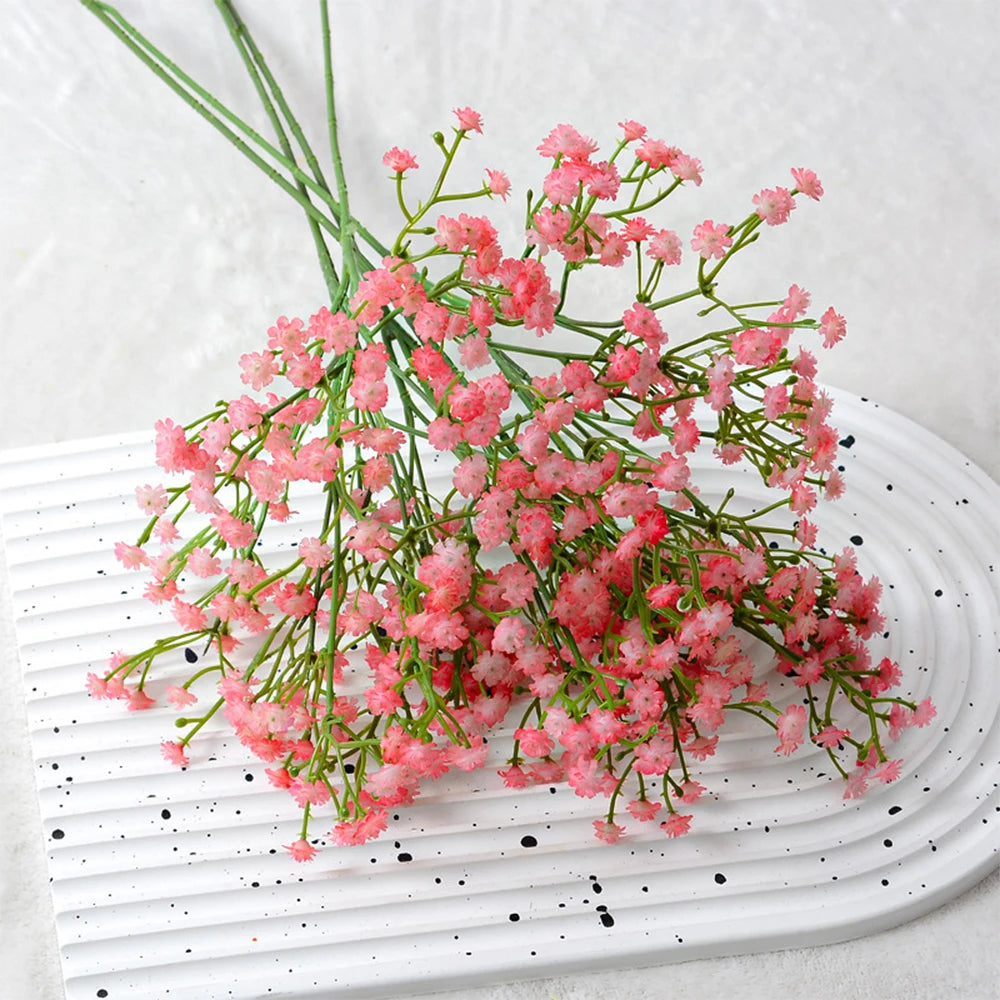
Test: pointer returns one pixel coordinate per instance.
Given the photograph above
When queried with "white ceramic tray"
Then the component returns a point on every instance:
(174, 885)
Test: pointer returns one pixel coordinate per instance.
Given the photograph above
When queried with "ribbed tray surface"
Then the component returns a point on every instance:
(174, 885)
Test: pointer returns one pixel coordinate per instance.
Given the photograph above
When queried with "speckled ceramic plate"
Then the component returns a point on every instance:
(173, 885)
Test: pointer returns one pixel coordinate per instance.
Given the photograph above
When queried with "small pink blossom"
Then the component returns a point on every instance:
(202, 563)
(314, 553)
(399, 160)
(190, 617)
(470, 476)
(632, 130)
(174, 753)
(564, 140)
(657, 154)
(259, 369)
(607, 831)
(774, 205)
(97, 687)
(887, 771)
(856, 785)
(130, 556)
(179, 697)
(711, 240)
(301, 850)
(665, 246)
(338, 331)
(138, 700)
(166, 531)
(151, 500)
(469, 120)
(644, 810)
(687, 168)
(690, 791)
(361, 830)
(474, 352)
(498, 183)
(924, 713)
(233, 531)
(807, 182)
(676, 825)
(791, 724)
(534, 742)
(830, 736)
(832, 327)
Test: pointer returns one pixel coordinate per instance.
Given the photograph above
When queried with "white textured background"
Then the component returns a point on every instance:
(139, 256)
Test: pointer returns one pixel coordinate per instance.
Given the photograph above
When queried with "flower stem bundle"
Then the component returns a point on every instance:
(569, 578)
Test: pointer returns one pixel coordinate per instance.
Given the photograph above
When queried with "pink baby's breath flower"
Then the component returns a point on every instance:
(774, 206)
(314, 793)
(796, 302)
(534, 742)
(470, 476)
(830, 736)
(637, 230)
(665, 246)
(676, 825)
(644, 810)
(338, 331)
(151, 499)
(832, 327)
(138, 700)
(632, 130)
(279, 777)
(657, 154)
(399, 160)
(202, 563)
(369, 394)
(469, 120)
(834, 485)
(690, 791)
(233, 531)
(287, 337)
(776, 401)
(687, 168)
(711, 239)
(444, 435)
(97, 687)
(474, 352)
(564, 140)
(377, 473)
(166, 531)
(190, 617)
(174, 753)
(259, 369)
(856, 784)
(179, 697)
(887, 771)
(607, 831)
(130, 556)
(924, 713)
(301, 850)
(498, 183)
(305, 371)
(314, 553)
(614, 250)
(514, 777)
(807, 182)
(360, 831)
(791, 724)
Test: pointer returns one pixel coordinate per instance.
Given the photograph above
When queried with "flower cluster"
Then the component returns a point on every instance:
(570, 575)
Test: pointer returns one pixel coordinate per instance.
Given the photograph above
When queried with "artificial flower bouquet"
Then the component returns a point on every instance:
(501, 522)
